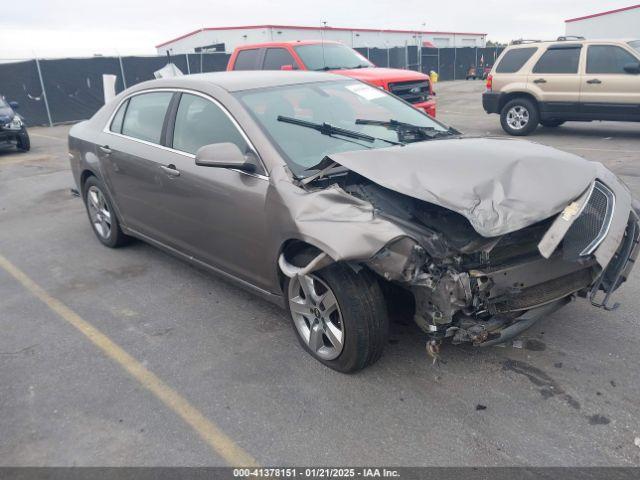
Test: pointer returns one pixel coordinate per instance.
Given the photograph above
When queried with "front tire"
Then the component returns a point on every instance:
(519, 117)
(24, 143)
(102, 216)
(338, 315)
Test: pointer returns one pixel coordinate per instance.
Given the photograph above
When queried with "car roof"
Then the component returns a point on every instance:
(288, 42)
(529, 43)
(234, 81)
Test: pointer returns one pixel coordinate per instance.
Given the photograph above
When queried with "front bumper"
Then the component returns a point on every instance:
(491, 102)
(7, 136)
(429, 107)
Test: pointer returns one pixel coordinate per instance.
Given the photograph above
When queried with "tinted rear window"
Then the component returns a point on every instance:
(513, 60)
(558, 60)
(145, 116)
(276, 58)
(247, 60)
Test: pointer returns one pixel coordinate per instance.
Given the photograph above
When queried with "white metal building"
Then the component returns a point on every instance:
(619, 23)
(228, 38)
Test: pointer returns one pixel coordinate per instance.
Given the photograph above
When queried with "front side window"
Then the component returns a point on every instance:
(116, 123)
(145, 116)
(608, 59)
(338, 103)
(558, 60)
(331, 56)
(201, 122)
(276, 58)
(247, 60)
(513, 60)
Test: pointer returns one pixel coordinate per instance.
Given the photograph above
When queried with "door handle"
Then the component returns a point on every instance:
(594, 81)
(170, 170)
(539, 80)
(105, 149)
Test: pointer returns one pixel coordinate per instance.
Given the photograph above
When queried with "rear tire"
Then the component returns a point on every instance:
(24, 143)
(102, 216)
(551, 123)
(519, 116)
(360, 313)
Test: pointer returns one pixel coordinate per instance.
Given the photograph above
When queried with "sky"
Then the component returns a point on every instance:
(58, 28)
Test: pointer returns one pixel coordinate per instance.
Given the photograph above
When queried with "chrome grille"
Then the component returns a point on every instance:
(412, 92)
(592, 225)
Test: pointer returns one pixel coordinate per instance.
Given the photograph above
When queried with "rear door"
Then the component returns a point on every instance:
(131, 157)
(555, 80)
(608, 91)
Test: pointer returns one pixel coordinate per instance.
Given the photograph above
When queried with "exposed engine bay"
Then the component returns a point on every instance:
(483, 290)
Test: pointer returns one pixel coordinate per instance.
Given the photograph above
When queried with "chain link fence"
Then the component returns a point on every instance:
(55, 91)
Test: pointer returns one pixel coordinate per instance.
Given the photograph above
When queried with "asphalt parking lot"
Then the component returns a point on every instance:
(131, 357)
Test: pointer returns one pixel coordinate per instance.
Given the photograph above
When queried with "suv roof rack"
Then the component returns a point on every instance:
(523, 40)
(564, 38)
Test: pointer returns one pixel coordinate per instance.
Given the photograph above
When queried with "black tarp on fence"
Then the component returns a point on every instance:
(74, 89)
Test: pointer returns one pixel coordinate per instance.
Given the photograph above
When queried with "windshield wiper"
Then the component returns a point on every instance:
(402, 128)
(331, 130)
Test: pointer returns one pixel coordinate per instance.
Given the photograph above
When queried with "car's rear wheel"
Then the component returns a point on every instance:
(24, 143)
(519, 116)
(551, 123)
(339, 315)
(102, 216)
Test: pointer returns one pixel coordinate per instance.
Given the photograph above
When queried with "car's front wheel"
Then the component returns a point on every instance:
(519, 117)
(102, 216)
(24, 143)
(339, 315)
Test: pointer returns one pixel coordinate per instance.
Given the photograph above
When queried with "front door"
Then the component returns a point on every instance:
(608, 91)
(216, 215)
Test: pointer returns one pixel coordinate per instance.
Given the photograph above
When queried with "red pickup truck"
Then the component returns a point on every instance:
(334, 57)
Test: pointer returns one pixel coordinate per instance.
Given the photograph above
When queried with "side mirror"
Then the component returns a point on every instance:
(286, 67)
(223, 155)
(632, 68)
(14, 105)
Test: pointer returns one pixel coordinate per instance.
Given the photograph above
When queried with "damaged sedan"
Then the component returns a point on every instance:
(341, 202)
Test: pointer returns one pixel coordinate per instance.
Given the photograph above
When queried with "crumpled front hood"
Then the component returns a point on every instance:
(499, 185)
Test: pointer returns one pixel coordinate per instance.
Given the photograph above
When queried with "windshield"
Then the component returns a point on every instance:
(635, 45)
(331, 56)
(338, 103)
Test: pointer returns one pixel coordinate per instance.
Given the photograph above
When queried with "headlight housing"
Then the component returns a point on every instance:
(14, 124)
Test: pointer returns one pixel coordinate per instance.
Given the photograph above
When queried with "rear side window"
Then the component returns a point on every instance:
(116, 123)
(513, 60)
(247, 60)
(558, 60)
(201, 122)
(608, 59)
(145, 116)
(275, 58)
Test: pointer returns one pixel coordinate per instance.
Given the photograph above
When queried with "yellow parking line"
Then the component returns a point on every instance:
(210, 433)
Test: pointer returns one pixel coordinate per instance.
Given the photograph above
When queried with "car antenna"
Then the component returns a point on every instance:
(324, 25)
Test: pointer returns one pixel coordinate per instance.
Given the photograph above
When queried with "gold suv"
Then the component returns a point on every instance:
(570, 79)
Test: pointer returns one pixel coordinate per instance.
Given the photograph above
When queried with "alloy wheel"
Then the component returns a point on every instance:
(517, 117)
(316, 315)
(99, 212)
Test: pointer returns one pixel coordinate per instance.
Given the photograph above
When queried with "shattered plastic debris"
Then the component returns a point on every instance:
(636, 442)
(517, 344)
